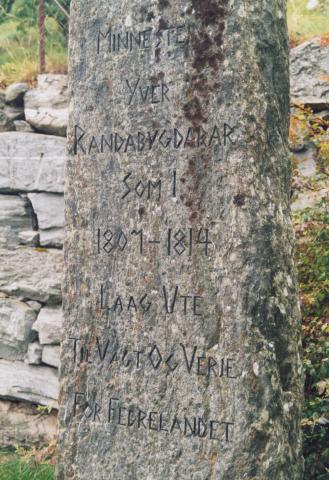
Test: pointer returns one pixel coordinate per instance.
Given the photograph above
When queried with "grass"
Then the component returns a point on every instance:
(305, 23)
(19, 52)
(26, 465)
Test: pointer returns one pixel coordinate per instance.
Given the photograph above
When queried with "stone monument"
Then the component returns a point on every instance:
(181, 349)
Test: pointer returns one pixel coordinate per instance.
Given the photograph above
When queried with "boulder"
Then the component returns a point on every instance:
(52, 238)
(49, 209)
(14, 113)
(6, 125)
(50, 355)
(35, 305)
(49, 326)
(30, 162)
(324, 115)
(46, 107)
(14, 219)
(34, 354)
(32, 274)
(309, 67)
(16, 320)
(23, 424)
(306, 161)
(23, 126)
(14, 94)
(34, 384)
(309, 199)
(29, 238)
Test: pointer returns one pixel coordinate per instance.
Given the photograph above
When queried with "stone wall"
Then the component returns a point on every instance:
(32, 153)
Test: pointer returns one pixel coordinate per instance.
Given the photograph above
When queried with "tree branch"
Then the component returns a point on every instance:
(62, 8)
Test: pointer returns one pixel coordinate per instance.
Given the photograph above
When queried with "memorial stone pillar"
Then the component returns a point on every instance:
(180, 357)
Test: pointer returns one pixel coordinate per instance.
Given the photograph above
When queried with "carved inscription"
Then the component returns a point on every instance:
(114, 41)
(172, 242)
(165, 302)
(171, 299)
(116, 412)
(137, 142)
(189, 360)
(152, 93)
(148, 189)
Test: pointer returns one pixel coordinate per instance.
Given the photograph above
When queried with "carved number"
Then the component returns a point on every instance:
(176, 242)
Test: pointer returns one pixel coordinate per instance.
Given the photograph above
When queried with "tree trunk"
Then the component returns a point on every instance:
(42, 36)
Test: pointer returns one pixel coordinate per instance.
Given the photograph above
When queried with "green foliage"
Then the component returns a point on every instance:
(305, 23)
(53, 11)
(27, 465)
(25, 12)
(5, 7)
(45, 408)
(19, 52)
(19, 41)
(312, 255)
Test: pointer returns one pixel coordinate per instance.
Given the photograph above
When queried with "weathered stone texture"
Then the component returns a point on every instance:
(50, 355)
(14, 220)
(30, 162)
(34, 354)
(31, 215)
(33, 384)
(310, 199)
(49, 326)
(46, 106)
(23, 126)
(14, 94)
(6, 124)
(14, 113)
(22, 424)
(43, 204)
(200, 102)
(49, 210)
(30, 237)
(309, 72)
(16, 320)
(33, 274)
(52, 238)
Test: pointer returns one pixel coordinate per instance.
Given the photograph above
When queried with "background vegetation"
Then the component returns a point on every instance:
(28, 464)
(19, 34)
(312, 227)
(19, 40)
(312, 260)
(307, 18)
